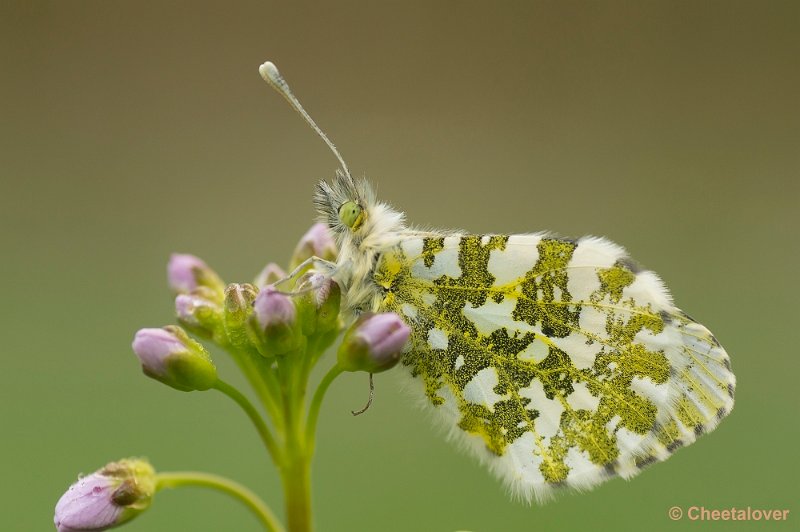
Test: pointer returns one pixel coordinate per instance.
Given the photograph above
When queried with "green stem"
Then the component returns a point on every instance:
(294, 369)
(316, 403)
(296, 478)
(295, 471)
(274, 389)
(254, 416)
(260, 376)
(177, 479)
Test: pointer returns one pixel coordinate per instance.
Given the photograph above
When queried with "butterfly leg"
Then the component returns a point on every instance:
(326, 267)
(371, 397)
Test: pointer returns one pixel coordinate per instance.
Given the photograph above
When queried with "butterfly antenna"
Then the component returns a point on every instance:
(271, 75)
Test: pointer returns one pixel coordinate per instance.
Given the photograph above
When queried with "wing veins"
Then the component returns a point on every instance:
(426, 310)
(573, 375)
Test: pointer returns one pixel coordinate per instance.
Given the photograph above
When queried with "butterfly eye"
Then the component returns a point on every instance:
(351, 214)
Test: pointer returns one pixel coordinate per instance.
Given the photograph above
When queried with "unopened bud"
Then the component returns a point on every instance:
(374, 343)
(274, 322)
(107, 498)
(238, 307)
(318, 302)
(186, 273)
(168, 355)
(271, 274)
(199, 313)
(317, 242)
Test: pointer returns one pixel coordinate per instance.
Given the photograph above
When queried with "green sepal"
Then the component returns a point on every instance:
(188, 370)
(207, 318)
(275, 340)
(237, 310)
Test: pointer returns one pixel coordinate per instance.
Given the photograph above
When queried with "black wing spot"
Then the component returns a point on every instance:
(675, 445)
(641, 463)
(630, 265)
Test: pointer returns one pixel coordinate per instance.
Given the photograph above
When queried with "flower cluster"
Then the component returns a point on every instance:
(276, 329)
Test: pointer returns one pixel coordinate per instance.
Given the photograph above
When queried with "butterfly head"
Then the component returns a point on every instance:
(344, 204)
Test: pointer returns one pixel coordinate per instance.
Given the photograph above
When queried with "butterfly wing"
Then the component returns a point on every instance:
(558, 362)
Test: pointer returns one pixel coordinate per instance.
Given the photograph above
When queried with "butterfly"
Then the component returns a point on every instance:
(559, 363)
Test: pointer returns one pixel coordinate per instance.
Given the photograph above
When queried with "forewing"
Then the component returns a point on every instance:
(559, 362)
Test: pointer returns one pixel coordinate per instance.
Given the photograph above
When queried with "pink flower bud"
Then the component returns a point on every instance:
(186, 273)
(199, 314)
(170, 356)
(317, 242)
(273, 308)
(273, 324)
(374, 343)
(106, 498)
(271, 274)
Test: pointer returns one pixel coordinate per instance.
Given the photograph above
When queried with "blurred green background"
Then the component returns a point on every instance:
(133, 129)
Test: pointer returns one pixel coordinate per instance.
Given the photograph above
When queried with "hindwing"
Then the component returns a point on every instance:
(559, 362)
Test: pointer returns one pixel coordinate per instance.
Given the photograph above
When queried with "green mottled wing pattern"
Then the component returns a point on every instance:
(558, 362)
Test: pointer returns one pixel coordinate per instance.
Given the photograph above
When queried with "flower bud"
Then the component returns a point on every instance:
(199, 313)
(318, 303)
(238, 307)
(317, 242)
(271, 274)
(374, 343)
(187, 272)
(274, 309)
(107, 498)
(168, 355)
(274, 322)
